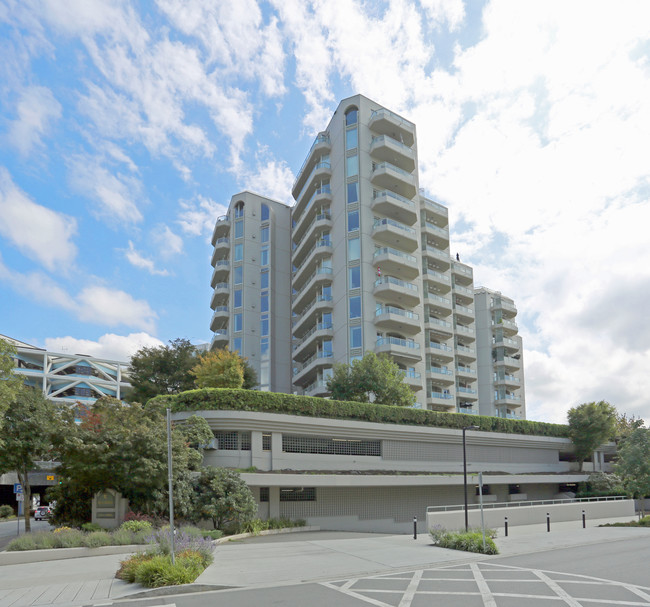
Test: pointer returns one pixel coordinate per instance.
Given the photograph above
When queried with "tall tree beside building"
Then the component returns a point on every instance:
(10, 383)
(591, 425)
(219, 369)
(633, 464)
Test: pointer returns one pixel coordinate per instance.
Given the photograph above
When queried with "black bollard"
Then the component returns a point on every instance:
(415, 527)
(548, 522)
(506, 527)
(584, 521)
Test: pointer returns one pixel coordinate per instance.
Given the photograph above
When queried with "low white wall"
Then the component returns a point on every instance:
(531, 515)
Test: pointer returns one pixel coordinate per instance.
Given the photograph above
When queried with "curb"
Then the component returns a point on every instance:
(241, 536)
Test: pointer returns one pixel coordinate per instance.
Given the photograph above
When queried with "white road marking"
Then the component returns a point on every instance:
(486, 594)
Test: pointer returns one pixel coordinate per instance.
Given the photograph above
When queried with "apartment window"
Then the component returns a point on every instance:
(351, 116)
(266, 441)
(238, 277)
(354, 277)
(237, 298)
(239, 252)
(292, 443)
(352, 165)
(264, 279)
(298, 494)
(233, 440)
(236, 344)
(354, 249)
(264, 494)
(355, 306)
(238, 321)
(264, 234)
(264, 302)
(264, 346)
(355, 337)
(264, 325)
(264, 256)
(239, 209)
(265, 212)
(353, 221)
(353, 192)
(239, 229)
(351, 139)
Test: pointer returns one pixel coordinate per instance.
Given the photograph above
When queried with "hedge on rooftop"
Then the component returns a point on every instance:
(222, 399)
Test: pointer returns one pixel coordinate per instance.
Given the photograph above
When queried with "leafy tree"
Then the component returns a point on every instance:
(591, 425)
(162, 370)
(219, 369)
(124, 447)
(372, 379)
(10, 383)
(28, 426)
(250, 376)
(626, 425)
(634, 463)
(223, 497)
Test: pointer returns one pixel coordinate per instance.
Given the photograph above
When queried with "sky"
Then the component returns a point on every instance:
(125, 128)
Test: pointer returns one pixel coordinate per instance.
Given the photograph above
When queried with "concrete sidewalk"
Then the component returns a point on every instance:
(281, 560)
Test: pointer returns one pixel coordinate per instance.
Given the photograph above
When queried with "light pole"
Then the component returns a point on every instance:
(465, 473)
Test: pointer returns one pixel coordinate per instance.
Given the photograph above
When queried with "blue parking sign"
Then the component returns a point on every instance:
(18, 488)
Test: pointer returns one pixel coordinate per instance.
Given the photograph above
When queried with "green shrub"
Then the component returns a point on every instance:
(88, 527)
(254, 526)
(157, 570)
(472, 541)
(213, 534)
(95, 539)
(69, 538)
(128, 567)
(25, 542)
(220, 399)
(645, 521)
(136, 525)
(6, 511)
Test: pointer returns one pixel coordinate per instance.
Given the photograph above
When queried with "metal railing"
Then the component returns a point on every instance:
(550, 502)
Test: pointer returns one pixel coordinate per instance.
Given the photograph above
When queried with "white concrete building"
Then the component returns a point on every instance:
(69, 378)
(251, 285)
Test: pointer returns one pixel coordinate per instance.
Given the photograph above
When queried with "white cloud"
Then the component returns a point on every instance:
(112, 307)
(36, 110)
(116, 195)
(451, 12)
(135, 258)
(109, 346)
(169, 243)
(271, 178)
(38, 232)
(198, 216)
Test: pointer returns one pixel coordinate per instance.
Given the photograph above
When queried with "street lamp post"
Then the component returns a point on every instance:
(465, 474)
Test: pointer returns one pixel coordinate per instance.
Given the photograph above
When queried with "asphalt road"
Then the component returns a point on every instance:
(9, 530)
(611, 574)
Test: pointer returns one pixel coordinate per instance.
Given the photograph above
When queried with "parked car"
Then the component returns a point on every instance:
(42, 513)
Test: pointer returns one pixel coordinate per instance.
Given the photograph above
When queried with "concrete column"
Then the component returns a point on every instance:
(257, 458)
(276, 450)
(274, 502)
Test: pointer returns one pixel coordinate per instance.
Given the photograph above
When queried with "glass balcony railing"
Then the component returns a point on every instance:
(391, 167)
(393, 116)
(412, 375)
(440, 323)
(321, 326)
(396, 341)
(465, 390)
(222, 285)
(321, 138)
(441, 277)
(386, 138)
(388, 194)
(311, 359)
(222, 241)
(440, 370)
(434, 228)
(320, 271)
(464, 349)
(390, 251)
(442, 395)
(323, 164)
(395, 281)
(395, 224)
(393, 310)
(466, 370)
(443, 347)
(435, 297)
(435, 206)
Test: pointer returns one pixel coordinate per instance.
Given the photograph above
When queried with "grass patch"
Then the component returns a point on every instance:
(470, 541)
(643, 522)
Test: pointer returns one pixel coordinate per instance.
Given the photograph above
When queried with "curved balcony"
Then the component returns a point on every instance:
(466, 393)
(307, 371)
(385, 122)
(511, 346)
(508, 310)
(463, 275)
(439, 326)
(387, 176)
(317, 388)
(413, 380)
(439, 400)
(393, 261)
(302, 324)
(220, 295)
(320, 146)
(439, 305)
(438, 282)
(320, 250)
(467, 333)
(310, 340)
(436, 257)
(312, 286)
(463, 295)
(463, 313)
(507, 381)
(509, 327)
(441, 375)
(391, 318)
(400, 348)
(322, 170)
(220, 318)
(322, 195)
(395, 234)
(465, 353)
(388, 202)
(511, 400)
(221, 244)
(388, 149)
(440, 352)
(322, 221)
(439, 212)
(221, 228)
(509, 363)
(221, 272)
(465, 371)
(435, 235)
(219, 339)
(398, 291)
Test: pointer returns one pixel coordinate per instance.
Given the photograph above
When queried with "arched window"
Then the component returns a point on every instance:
(266, 213)
(351, 115)
(239, 209)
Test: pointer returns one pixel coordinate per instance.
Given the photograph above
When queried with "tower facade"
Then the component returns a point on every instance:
(251, 284)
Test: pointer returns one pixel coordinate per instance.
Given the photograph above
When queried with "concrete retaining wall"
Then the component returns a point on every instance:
(531, 515)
